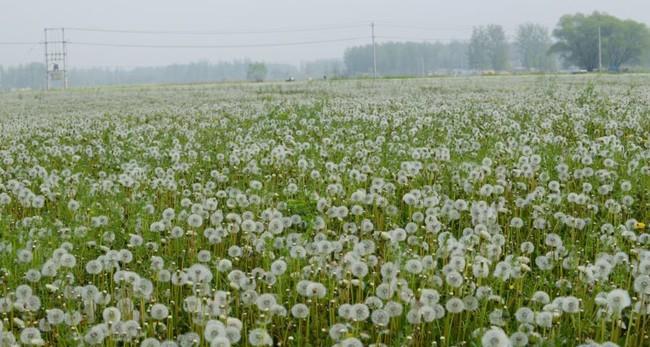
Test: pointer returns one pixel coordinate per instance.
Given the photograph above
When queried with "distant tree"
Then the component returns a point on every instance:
(622, 41)
(256, 72)
(357, 59)
(454, 56)
(477, 52)
(488, 48)
(322, 67)
(30, 75)
(406, 58)
(533, 42)
(33, 75)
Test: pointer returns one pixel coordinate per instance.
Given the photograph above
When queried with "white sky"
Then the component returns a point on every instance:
(24, 20)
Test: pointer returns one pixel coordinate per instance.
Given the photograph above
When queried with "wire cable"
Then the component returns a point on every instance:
(215, 33)
(8, 43)
(281, 44)
(459, 27)
(415, 27)
(440, 39)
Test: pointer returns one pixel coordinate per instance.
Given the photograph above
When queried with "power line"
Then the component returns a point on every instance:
(20, 43)
(245, 32)
(414, 27)
(460, 27)
(281, 44)
(420, 39)
(215, 33)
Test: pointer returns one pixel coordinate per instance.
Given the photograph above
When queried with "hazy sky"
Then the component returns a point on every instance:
(284, 21)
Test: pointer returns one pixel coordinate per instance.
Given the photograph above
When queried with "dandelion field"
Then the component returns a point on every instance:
(500, 211)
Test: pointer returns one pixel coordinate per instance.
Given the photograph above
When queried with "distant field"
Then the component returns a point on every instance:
(467, 211)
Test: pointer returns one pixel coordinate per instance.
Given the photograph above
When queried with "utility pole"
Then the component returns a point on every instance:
(374, 50)
(600, 52)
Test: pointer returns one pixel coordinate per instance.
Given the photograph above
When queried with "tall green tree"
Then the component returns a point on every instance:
(622, 41)
(477, 51)
(488, 48)
(532, 43)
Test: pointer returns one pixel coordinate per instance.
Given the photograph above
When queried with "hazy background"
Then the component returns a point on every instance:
(24, 20)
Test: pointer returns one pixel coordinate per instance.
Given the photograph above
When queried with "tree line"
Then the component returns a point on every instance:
(407, 58)
(33, 75)
(574, 42)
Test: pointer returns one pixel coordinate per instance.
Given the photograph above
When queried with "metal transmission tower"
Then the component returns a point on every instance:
(55, 58)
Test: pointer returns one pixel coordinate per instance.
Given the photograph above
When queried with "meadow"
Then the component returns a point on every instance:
(477, 211)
